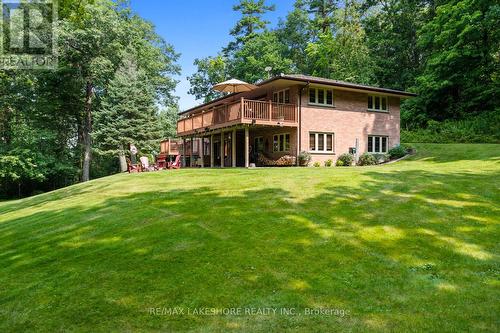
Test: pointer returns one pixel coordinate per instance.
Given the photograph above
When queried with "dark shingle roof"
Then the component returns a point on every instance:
(317, 80)
(320, 80)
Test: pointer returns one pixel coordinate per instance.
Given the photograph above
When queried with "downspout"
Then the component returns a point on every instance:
(300, 119)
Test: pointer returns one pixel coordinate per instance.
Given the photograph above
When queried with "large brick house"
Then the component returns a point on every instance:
(288, 114)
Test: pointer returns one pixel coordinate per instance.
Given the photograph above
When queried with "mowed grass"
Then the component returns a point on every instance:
(411, 246)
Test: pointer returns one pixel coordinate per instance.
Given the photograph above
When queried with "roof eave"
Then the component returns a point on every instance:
(402, 94)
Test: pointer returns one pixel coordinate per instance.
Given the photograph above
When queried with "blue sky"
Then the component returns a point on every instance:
(197, 28)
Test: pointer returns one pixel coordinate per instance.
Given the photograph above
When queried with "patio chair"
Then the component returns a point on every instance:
(175, 164)
(161, 161)
(131, 168)
(145, 164)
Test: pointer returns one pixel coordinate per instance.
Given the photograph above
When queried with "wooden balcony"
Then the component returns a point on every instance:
(244, 111)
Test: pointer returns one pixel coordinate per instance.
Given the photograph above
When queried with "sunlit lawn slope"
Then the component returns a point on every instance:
(411, 246)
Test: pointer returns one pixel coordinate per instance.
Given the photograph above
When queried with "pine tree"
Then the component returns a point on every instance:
(250, 24)
(128, 114)
(323, 12)
(294, 33)
(343, 55)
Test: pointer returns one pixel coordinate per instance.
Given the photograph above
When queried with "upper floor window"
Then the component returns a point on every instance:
(281, 142)
(321, 96)
(377, 144)
(377, 103)
(282, 96)
(321, 142)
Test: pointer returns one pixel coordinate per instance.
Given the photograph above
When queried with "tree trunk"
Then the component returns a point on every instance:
(87, 128)
(123, 161)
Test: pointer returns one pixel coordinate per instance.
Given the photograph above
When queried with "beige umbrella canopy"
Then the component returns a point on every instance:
(234, 86)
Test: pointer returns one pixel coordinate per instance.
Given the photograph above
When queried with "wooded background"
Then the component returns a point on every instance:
(115, 81)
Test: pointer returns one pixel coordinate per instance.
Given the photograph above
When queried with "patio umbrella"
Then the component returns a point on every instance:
(234, 86)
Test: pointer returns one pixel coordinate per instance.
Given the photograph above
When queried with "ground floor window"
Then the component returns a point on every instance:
(321, 142)
(281, 142)
(259, 144)
(378, 144)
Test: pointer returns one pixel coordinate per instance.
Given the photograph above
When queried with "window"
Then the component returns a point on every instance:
(281, 142)
(207, 145)
(282, 96)
(259, 144)
(312, 141)
(377, 103)
(320, 96)
(378, 144)
(321, 142)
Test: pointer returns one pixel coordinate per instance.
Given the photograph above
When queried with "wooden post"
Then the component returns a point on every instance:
(242, 108)
(247, 139)
(191, 146)
(222, 149)
(202, 151)
(233, 148)
(211, 150)
(297, 148)
(270, 111)
(184, 152)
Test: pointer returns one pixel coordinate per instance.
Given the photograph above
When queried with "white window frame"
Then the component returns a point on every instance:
(380, 144)
(276, 95)
(325, 90)
(324, 134)
(280, 137)
(373, 103)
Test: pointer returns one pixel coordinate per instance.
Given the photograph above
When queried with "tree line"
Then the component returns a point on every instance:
(113, 86)
(448, 52)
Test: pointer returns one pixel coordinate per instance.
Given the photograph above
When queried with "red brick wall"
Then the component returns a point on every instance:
(348, 120)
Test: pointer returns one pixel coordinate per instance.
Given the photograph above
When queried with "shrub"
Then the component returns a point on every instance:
(328, 163)
(408, 146)
(382, 158)
(339, 163)
(317, 164)
(346, 159)
(397, 152)
(304, 158)
(367, 159)
(150, 157)
(482, 128)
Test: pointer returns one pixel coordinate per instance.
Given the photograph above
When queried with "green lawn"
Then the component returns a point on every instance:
(411, 246)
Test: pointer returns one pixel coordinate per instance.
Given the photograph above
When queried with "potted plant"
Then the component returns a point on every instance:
(304, 158)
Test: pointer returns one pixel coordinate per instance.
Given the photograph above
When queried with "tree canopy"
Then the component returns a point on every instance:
(115, 76)
(448, 52)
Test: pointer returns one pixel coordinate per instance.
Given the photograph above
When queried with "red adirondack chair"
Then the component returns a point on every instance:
(133, 167)
(161, 161)
(175, 164)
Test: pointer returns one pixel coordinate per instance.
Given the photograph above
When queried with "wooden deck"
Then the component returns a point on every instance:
(244, 111)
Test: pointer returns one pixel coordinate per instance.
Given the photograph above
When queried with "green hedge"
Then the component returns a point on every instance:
(484, 128)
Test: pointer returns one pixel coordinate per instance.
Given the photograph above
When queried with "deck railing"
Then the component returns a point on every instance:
(241, 111)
